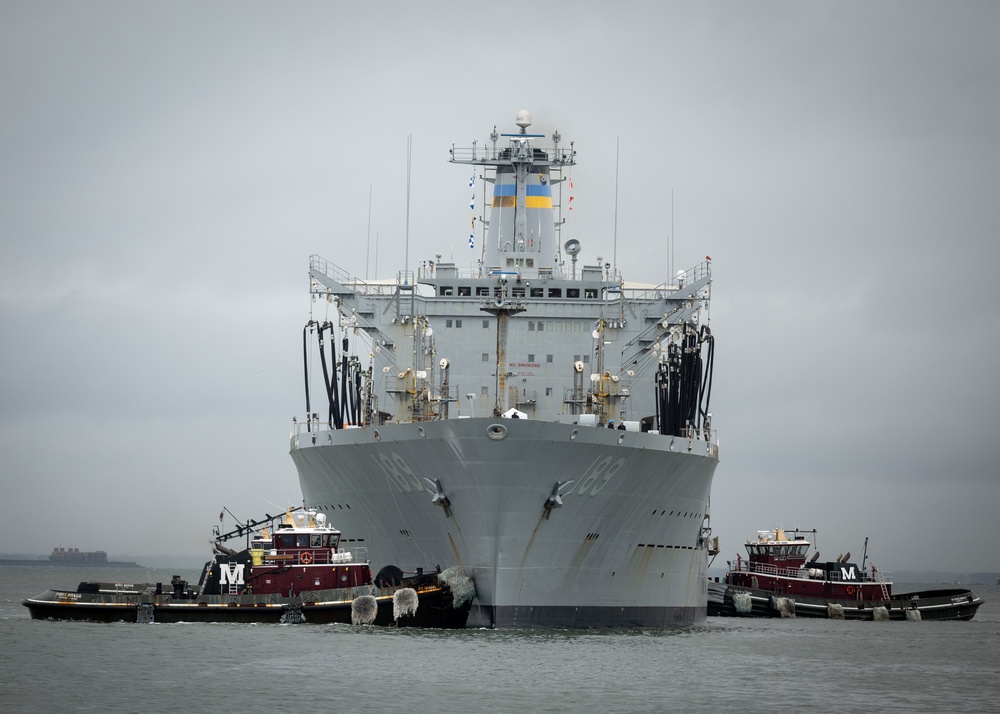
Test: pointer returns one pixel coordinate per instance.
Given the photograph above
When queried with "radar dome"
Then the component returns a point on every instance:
(523, 119)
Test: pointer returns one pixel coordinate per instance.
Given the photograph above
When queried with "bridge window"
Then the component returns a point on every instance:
(464, 291)
(590, 294)
(538, 292)
(572, 292)
(482, 292)
(555, 292)
(446, 290)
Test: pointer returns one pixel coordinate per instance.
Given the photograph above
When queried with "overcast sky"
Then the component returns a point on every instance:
(168, 168)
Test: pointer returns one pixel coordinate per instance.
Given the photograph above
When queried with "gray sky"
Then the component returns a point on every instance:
(168, 168)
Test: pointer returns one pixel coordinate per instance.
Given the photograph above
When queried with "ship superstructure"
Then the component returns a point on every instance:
(542, 424)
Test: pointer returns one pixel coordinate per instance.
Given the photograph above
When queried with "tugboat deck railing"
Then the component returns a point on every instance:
(318, 556)
(880, 576)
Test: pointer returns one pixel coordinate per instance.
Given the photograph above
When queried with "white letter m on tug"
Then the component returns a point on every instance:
(232, 573)
(845, 573)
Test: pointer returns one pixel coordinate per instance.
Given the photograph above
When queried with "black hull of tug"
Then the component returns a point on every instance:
(950, 604)
(434, 608)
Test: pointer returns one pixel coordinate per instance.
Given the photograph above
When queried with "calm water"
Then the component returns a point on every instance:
(724, 665)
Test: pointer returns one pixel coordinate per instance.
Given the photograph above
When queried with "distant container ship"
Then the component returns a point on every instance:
(73, 556)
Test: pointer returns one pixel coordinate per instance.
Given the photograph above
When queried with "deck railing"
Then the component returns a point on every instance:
(879, 576)
(317, 556)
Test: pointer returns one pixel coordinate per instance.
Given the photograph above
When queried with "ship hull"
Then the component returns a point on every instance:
(625, 547)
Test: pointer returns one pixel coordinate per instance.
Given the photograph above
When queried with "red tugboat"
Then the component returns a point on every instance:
(777, 581)
(291, 571)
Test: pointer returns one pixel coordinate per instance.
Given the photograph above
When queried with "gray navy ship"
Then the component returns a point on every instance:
(542, 425)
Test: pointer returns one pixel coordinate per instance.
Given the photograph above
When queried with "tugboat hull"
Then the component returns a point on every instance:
(955, 604)
(435, 606)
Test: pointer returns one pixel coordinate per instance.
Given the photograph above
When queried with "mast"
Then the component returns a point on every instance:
(502, 307)
(521, 236)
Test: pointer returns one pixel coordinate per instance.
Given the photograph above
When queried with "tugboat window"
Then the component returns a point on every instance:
(572, 292)
(464, 291)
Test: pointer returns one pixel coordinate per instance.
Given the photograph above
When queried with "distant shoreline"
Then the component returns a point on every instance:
(68, 563)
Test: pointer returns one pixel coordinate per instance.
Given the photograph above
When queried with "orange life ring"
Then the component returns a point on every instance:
(850, 589)
(305, 557)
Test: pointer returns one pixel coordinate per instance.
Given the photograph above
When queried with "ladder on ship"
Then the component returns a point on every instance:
(881, 581)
